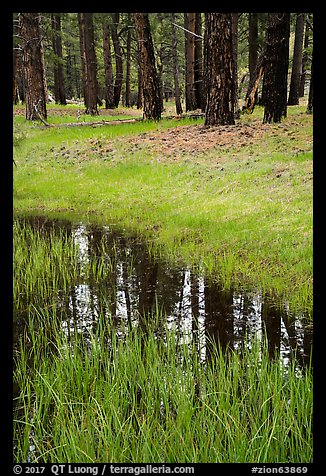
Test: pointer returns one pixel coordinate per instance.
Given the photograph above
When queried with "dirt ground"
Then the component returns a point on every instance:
(175, 143)
(198, 138)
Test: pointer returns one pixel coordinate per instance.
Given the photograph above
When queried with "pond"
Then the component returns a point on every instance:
(138, 286)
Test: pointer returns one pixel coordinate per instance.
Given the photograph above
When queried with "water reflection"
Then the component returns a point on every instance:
(137, 288)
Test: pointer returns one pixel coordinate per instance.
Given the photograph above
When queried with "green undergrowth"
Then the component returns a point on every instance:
(241, 212)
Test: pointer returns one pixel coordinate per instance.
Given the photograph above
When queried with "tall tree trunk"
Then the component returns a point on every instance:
(128, 59)
(59, 86)
(15, 58)
(20, 78)
(140, 87)
(189, 24)
(152, 99)
(219, 69)
(34, 79)
(310, 98)
(69, 71)
(297, 61)
(276, 69)
(198, 67)
(108, 73)
(89, 62)
(305, 59)
(253, 43)
(177, 99)
(118, 60)
(252, 91)
(14, 76)
(235, 18)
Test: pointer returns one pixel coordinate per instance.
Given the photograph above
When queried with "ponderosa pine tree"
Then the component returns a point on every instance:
(190, 25)
(59, 86)
(108, 73)
(174, 50)
(219, 69)
(294, 92)
(198, 70)
(152, 98)
(118, 59)
(276, 67)
(33, 66)
(89, 62)
(310, 98)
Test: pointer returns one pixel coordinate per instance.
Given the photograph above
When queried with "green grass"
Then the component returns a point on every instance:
(140, 395)
(145, 399)
(243, 212)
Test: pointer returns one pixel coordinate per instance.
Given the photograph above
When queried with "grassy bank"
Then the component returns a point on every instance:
(241, 209)
(148, 400)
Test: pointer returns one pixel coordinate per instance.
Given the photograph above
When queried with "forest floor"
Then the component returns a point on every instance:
(237, 199)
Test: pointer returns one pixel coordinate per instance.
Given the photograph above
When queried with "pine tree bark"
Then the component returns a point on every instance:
(34, 80)
(152, 99)
(304, 59)
(14, 76)
(59, 85)
(189, 24)
(89, 62)
(276, 68)
(252, 91)
(235, 19)
(198, 69)
(219, 69)
(108, 73)
(310, 98)
(293, 99)
(139, 81)
(177, 99)
(118, 60)
(253, 49)
(128, 59)
(253, 43)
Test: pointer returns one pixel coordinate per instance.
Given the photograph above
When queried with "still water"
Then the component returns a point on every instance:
(139, 286)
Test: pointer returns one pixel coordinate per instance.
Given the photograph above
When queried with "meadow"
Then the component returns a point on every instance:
(241, 208)
(233, 202)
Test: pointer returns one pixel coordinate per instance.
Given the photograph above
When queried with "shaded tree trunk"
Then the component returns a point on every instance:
(235, 19)
(178, 105)
(89, 62)
(305, 59)
(34, 80)
(108, 73)
(297, 61)
(253, 50)
(219, 69)
(140, 87)
(152, 98)
(189, 24)
(252, 91)
(253, 43)
(118, 60)
(276, 68)
(198, 69)
(128, 59)
(14, 76)
(310, 98)
(20, 78)
(69, 71)
(59, 86)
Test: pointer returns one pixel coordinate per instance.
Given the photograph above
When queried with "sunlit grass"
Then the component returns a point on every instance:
(248, 219)
(145, 399)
